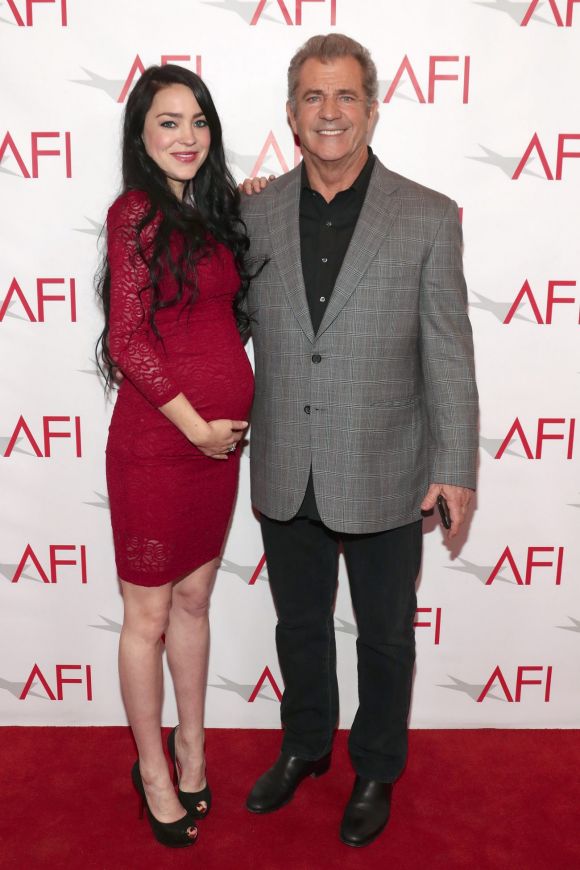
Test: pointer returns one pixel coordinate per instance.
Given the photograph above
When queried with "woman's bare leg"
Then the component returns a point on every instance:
(141, 673)
(187, 642)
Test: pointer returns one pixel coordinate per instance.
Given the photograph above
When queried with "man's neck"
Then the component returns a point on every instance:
(330, 177)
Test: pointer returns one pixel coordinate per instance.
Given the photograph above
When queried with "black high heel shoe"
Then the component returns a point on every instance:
(174, 834)
(191, 800)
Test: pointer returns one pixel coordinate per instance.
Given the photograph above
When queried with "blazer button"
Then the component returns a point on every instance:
(307, 409)
(316, 358)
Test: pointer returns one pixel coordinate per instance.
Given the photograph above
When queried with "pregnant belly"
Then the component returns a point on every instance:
(219, 386)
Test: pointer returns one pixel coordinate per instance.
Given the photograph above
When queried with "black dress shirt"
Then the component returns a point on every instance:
(326, 229)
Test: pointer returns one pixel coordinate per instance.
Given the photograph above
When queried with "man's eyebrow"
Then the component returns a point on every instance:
(178, 114)
(339, 92)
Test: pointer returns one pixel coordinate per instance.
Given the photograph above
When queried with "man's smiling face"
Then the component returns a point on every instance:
(331, 116)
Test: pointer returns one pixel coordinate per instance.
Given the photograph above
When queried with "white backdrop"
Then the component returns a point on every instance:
(480, 101)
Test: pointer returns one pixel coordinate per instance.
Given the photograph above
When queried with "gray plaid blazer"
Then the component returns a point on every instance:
(392, 404)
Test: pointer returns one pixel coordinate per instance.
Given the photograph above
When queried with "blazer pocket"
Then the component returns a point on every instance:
(394, 403)
(391, 427)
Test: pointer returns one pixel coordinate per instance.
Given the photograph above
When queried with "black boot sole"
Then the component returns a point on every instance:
(366, 842)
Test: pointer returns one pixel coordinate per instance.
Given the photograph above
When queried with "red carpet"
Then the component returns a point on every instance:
(469, 799)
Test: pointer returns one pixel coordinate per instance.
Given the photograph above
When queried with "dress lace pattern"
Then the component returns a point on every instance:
(170, 504)
(129, 343)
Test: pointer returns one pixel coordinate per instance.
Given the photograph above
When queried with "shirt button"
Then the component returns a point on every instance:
(325, 259)
(307, 409)
(323, 298)
(316, 358)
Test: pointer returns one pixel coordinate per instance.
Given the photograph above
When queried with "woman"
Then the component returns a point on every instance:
(172, 291)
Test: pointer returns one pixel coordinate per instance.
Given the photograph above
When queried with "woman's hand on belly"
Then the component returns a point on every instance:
(220, 438)
(215, 438)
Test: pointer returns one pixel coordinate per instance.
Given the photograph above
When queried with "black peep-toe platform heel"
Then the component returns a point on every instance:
(174, 834)
(192, 800)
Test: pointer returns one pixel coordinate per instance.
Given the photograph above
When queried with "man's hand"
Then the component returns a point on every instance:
(219, 438)
(457, 497)
(255, 185)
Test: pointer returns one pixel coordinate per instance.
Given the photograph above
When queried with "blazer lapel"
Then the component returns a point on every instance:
(284, 224)
(379, 210)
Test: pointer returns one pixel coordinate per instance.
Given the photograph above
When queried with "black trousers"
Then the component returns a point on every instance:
(302, 557)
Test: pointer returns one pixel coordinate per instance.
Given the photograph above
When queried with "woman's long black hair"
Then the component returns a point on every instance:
(211, 204)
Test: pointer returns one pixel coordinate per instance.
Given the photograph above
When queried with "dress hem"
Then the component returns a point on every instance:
(165, 581)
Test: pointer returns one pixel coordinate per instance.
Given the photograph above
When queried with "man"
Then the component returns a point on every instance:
(365, 411)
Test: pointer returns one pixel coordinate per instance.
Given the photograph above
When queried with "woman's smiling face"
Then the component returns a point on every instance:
(176, 135)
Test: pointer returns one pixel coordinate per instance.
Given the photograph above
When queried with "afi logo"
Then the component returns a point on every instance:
(258, 571)
(298, 11)
(434, 624)
(536, 146)
(568, 5)
(272, 143)
(60, 680)
(531, 563)
(28, 7)
(517, 430)
(55, 561)
(520, 681)
(138, 67)
(43, 450)
(265, 675)
(36, 151)
(34, 309)
(436, 63)
(526, 293)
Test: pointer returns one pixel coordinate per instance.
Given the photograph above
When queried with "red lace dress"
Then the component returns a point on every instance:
(170, 504)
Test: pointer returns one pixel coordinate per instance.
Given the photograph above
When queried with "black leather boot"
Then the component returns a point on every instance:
(277, 786)
(367, 811)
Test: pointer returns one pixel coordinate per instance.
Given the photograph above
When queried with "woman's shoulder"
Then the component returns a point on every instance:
(129, 208)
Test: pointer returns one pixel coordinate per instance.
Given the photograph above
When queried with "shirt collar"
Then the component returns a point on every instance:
(359, 181)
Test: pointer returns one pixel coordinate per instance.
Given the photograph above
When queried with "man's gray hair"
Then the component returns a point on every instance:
(328, 48)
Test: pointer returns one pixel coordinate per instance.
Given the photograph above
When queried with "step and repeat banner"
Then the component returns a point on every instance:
(478, 99)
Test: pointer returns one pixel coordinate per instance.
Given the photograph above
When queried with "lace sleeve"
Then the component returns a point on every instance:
(129, 334)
